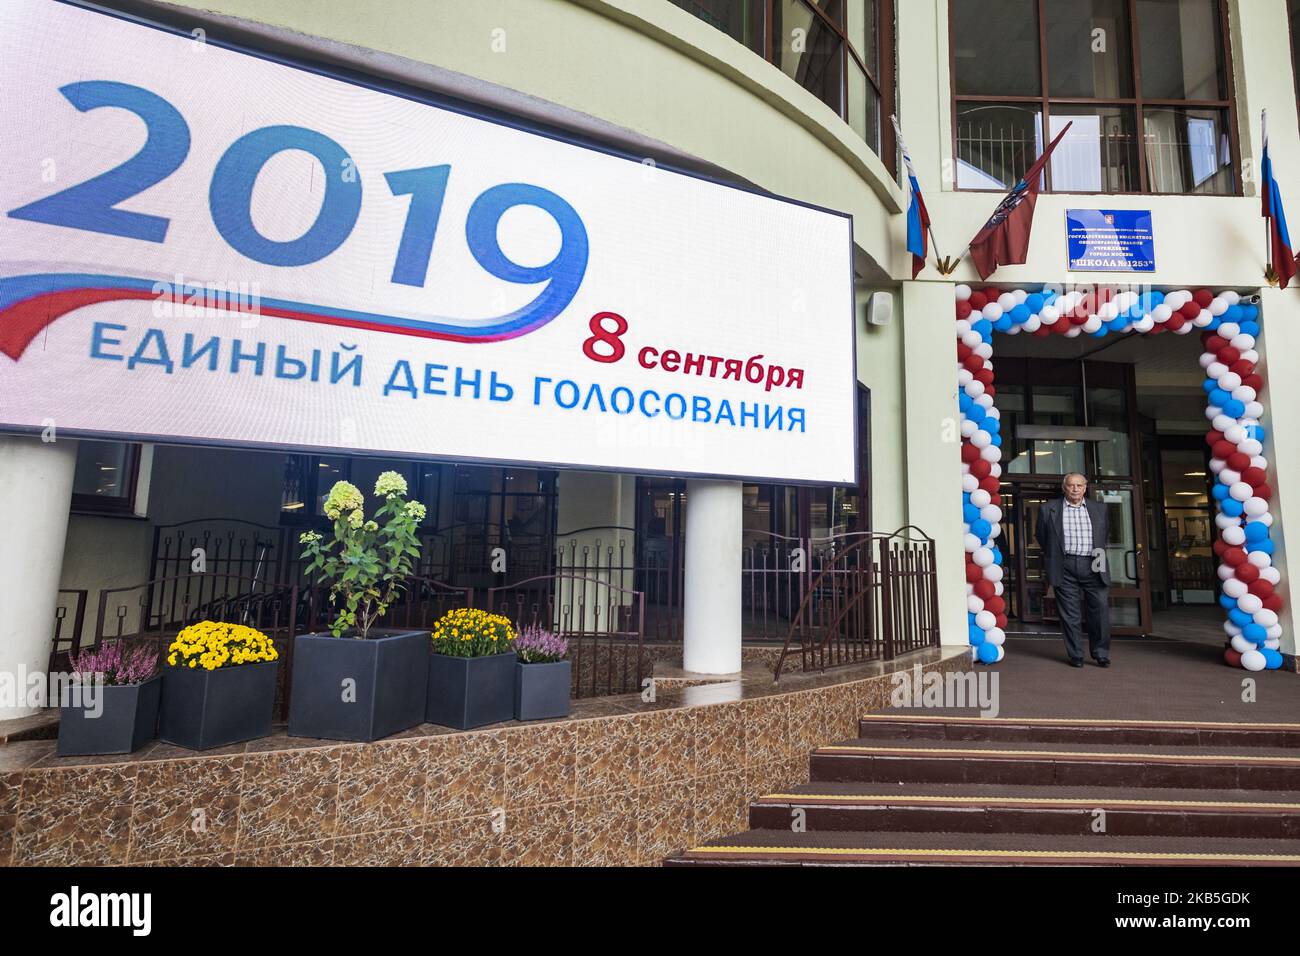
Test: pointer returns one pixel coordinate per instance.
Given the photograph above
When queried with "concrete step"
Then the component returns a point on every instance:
(988, 808)
(1132, 766)
(906, 725)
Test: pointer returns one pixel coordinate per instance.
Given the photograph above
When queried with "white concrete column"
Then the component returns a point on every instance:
(1279, 344)
(36, 491)
(933, 442)
(711, 594)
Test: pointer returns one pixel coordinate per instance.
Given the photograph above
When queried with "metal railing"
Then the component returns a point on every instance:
(873, 599)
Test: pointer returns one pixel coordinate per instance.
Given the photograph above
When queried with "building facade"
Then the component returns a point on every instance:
(792, 98)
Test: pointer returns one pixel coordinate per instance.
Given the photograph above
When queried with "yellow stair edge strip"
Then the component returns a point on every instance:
(1082, 721)
(1042, 854)
(1054, 801)
(1101, 755)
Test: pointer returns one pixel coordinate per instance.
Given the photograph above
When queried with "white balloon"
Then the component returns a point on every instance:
(1251, 447)
(1272, 575)
(992, 311)
(1184, 329)
(1251, 356)
(1234, 536)
(992, 514)
(998, 588)
(1264, 617)
(1234, 588)
(1260, 560)
(1049, 315)
(963, 293)
(964, 376)
(1259, 461)
(968, 428)
(1222, 422)
(981, 439)
(1007, 301)
(1144, 324)
(972, 340)
(995, 636)
(1229, 477)
(1232, 629)
(1254, 410)
(1205, 318)
(1020, 295)
(974, 389)
(985, 620)
(1217, 465)
(1256, 507)
(1226, 572)
(1225, 521)
(980, 498)
(993, 573)
(1228, 330)
(994, 453)
(995, 470)
(995, 531)
(1032, 324)
(1217, 370)
(983, 557)
(1075, 332)
(1265, 519)
(1231, 297)
(984, 350)
(1207, 359)
(1273, 644)
(1218, 306)
(1092, 325)
(1229, 381)
(1241, 645)
(974, 603)
(1214, 413)
(1250, 603)
(972, 543)
(1242, 342)
(1162, 313)
(1253, 661)
(1275, 632)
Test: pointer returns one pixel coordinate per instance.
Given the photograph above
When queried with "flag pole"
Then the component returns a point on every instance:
(902, 146)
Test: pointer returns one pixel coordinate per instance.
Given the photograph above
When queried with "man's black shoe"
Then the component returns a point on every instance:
(1075, 663)
(1105, 663)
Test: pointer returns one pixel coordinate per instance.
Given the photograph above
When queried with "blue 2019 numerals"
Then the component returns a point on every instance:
(91, 205)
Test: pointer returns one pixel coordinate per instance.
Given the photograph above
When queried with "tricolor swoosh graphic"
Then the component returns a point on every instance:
(30, 303)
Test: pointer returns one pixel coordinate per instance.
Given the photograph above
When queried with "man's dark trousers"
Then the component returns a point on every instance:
(1081, 585)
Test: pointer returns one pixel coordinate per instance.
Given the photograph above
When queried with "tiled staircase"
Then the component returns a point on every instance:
(971, 791)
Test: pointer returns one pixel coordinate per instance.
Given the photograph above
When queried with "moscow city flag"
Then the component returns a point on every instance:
(1280, 252)
(918, 217)
(1004, 240)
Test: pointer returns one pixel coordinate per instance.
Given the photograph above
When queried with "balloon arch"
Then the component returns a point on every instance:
(1229, 326)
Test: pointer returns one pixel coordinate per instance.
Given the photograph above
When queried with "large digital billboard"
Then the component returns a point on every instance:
(199, 244)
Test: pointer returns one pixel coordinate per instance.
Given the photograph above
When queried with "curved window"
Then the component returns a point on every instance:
(841, 51)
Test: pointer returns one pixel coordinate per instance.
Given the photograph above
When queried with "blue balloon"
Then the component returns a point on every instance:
(997, 556)
(970, 618)
(977, 412)
(1227, 602)
(1240, 617)
(988, 654)
(1268, 547)
(1209, 385)
(1035, 303)
(996, 441)
(1256, 531)
(1272, 659)
(1250, 328)
(1221, 492)
(1219, 398)
(1021, 314)
(1257, 432)
(1233, 314)
(1004, 324)
(1232, 507)
(1250, 312)
(1255, 633)
(983, 326)
(970, 514)
(1234, 408)
(976, 635)
(981, 529)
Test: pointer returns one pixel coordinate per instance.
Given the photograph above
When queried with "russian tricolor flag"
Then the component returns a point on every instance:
(1283, 258)
(918, 217)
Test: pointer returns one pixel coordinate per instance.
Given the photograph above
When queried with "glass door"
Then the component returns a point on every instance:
(1126, 559)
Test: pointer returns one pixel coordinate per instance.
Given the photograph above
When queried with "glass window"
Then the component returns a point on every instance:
(1144, 82)
(996, 144)
(1089, 52)
(841, 51)
(1108, 409)
(995, 46)
(105, 476)
(1181, 50)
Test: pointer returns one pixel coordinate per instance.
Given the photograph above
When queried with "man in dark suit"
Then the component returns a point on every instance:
(1072, 532)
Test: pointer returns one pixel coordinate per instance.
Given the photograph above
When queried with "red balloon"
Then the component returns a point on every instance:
(1220, 546)
(980, 468)
(1254, 477)
(995, 604)
(992, 293)
(1043, 331)
(1222, 450)
(1232, 658)
(1255, 381)
(1274, 603)
(1238, 461)
(974, 363)
(1228, 355)
(985, 590)
(985, 375)
(1002, 621)
(990, 484)
(974, 573)
(969, 453)
(1203, 297)
(1191, 311)
(1213, 343)
(1234, 557)
(1264, 491)
(964, 309)
(1214, 437)
(963, 350)
(977, 301)
(1260, 588)
(1176, 322)
(1242, 368)
(989, 390)
(1247, 573)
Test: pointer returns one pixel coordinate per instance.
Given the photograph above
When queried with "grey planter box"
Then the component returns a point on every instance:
(467, 692)
(542, 690)
(205, 709)
(388, 673)
(127, 718)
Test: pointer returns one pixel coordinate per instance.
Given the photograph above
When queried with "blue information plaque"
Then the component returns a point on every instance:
(1110, 240)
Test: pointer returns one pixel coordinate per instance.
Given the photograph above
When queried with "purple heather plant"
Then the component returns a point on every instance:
(119, 663)
(536, 645)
